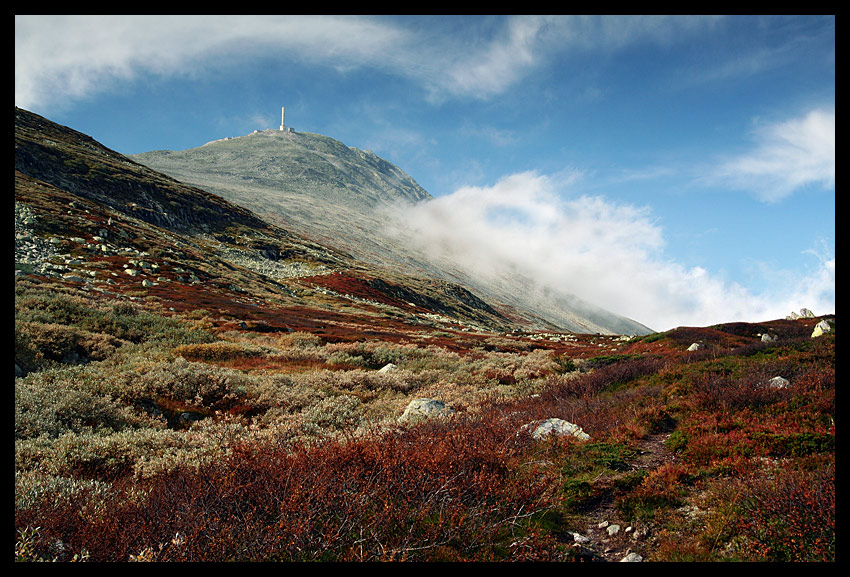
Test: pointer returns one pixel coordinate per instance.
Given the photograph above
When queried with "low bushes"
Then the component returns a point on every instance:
(299, 457)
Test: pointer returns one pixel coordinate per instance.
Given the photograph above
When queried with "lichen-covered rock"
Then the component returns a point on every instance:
(821, 328)
(559, 427)
(421, 409)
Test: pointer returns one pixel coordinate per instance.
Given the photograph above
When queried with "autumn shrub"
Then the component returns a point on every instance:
(444, 489)
(38, 345)
(723, 392)
(662, 488)
(371, 354)
(789, 515)
(203, 385)
(119, 320)
(220, 351)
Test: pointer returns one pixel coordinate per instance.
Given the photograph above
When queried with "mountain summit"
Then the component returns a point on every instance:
(308, 182)
(343, 196)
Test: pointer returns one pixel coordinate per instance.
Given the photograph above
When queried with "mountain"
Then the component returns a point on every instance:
(344, 197)
(96, 220)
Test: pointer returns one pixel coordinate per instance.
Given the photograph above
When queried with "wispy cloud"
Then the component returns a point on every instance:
(608, 254)
(787, 157)
(69, 57)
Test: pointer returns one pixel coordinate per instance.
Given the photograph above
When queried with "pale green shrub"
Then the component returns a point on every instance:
(197, 383)
(35, 488)
(284, 394)
(103, 456)
(38, 345)
(65, 400)
(340, 412)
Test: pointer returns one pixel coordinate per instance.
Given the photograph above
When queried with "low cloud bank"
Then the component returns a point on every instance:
(607, 254)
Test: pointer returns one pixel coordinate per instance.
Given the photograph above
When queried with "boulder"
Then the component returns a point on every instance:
(821, 328)
(778, 383)
(389, 367)
(806, 314)
(559, 427)
(695, 347)
(422, 409)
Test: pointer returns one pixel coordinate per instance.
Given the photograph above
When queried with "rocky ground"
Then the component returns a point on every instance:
(609, 538)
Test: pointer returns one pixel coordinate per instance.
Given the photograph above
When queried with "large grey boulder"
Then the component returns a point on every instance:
(422, 409)
(558, 427)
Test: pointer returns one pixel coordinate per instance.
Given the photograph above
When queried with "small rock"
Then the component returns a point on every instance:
(613, 530)
(421, 409)
(73, 278)
(558, 427)
(778, 383)
(389, 367)
(695, 347)
(631, 558)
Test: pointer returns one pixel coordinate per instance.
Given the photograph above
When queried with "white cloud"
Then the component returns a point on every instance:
(789, 156)
(607, 254)
(68, 57)
(62, 57)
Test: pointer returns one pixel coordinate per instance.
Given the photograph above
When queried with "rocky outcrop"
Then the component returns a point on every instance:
(821, 328)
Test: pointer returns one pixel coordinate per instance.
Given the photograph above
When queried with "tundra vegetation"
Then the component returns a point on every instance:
(145, 434)
(194, 384)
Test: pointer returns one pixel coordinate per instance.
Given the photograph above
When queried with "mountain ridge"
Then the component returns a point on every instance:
(86, 214)
(343, 196)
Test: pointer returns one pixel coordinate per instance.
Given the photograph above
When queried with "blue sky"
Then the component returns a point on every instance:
(678, 170)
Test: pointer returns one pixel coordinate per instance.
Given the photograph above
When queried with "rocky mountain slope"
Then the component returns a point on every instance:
(341, 196)
(86, 214)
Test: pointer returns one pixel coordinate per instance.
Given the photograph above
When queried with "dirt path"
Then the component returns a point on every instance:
(609, 538)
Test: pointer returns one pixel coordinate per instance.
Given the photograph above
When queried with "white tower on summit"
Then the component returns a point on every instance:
(283, 118)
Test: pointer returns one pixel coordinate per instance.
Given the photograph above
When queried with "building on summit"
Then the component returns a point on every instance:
(283, 127)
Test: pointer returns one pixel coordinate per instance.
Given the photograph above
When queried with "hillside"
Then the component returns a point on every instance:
(197, 385)
(341, 196)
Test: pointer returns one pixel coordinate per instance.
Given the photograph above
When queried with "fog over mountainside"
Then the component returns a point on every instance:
(358, 202)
